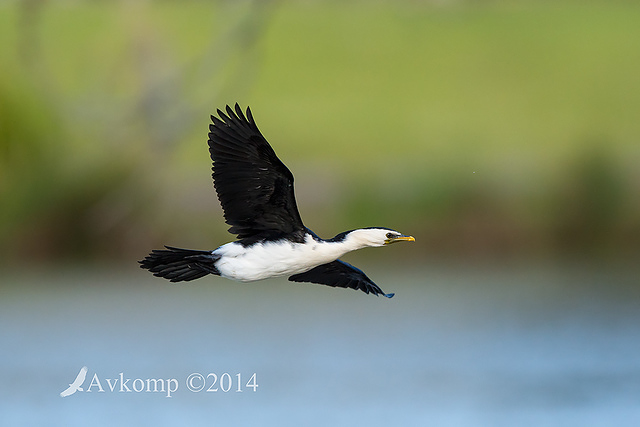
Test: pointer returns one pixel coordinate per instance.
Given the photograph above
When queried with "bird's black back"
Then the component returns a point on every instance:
(254, 187)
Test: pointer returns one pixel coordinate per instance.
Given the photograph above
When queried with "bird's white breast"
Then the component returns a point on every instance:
(274, 258)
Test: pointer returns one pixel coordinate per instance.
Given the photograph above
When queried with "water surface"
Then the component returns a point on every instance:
(522, 345)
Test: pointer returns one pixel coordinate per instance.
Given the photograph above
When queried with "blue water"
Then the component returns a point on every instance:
(521, 345)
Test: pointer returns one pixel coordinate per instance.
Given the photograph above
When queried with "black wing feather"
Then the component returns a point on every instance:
(254, 187)
(340, 274)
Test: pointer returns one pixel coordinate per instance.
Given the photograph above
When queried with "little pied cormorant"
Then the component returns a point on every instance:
(255, 190)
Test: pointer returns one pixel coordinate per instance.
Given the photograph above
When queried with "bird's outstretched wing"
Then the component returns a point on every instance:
(68, 392)
(254, 187)
(80, 378)
(340, 274)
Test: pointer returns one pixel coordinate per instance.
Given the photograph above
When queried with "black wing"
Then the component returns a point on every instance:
(339, 273)
(254, 187)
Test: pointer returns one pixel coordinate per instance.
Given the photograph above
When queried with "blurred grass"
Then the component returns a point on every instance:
(499, 127)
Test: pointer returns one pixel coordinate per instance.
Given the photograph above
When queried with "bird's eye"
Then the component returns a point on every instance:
(390, 235)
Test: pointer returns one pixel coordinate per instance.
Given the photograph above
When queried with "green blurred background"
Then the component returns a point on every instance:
(484, 128)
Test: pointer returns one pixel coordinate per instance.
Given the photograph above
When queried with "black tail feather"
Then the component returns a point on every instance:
(178, 265)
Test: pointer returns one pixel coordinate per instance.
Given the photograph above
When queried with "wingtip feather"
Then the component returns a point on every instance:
(239, 112)
(230, 111)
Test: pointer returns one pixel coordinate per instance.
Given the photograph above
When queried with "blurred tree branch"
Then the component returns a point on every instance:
(88, 201)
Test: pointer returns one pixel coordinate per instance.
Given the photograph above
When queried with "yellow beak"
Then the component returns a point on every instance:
(400, 239)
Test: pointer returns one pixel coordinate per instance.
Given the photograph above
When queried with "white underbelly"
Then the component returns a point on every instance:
(270, 259)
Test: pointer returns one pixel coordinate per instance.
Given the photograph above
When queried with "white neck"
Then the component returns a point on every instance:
(358, 239)
(354, 240)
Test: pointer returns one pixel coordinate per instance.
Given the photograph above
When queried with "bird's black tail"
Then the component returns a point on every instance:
(179, 265)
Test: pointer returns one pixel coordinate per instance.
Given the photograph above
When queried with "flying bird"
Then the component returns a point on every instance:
(75, 385)
(256, 192)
